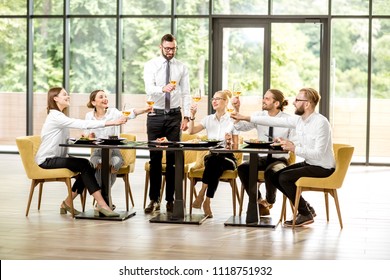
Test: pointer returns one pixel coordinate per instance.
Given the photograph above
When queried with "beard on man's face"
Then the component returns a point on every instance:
(299, 111)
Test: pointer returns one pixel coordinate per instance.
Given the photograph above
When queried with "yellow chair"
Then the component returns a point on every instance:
(328, 185)
(189, 161)
(129, 156)
(261, 180)
(28, 147)
(196, 173)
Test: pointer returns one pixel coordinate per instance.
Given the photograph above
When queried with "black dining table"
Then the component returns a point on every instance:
(179, 215)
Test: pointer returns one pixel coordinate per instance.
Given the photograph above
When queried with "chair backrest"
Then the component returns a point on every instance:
(129, 155)
(343, 156)
(28, 147)
(189, 156)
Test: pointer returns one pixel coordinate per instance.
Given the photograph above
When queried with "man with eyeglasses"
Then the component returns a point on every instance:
(312, 142)
(167, 85)
(273, 104)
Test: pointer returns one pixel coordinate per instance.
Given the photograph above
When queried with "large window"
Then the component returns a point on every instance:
(100, 45)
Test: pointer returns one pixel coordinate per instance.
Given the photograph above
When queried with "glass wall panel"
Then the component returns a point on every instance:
(92, 54)
(192, 7)
(92, 61)
(380, 7)
(95, 7)
(48, 65)
(193, 42)
(349, 55)
(301, 7)
(13, 71)
(295, 57)
(141, 41)
(48, 7)
(155, 7)
(48, 53)
(13, 7)
(380, 89)
(239, 7)
(350, 7)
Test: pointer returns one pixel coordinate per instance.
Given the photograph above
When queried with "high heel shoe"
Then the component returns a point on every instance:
(207, 209)
(99, 211)
(65, 208)
(198, 201)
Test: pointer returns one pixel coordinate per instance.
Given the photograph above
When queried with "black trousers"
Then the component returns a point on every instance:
(285, 180)
(83, 166)
(262, 165)
(215, 164)
(163, 125)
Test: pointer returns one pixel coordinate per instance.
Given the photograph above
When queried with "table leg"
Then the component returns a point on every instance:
(252, 214)
(178, 215)
(106, 192)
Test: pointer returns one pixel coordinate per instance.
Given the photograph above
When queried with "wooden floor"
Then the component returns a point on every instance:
(46, 234)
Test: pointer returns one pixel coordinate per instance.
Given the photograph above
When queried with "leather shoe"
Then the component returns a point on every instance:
(153, 206)
(65, 208)
(99, 211)
(300, 221)
(169, 206)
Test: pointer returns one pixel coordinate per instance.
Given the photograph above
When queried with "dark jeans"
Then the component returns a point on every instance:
(267, 167)
(75, 164)
(215, 164)
(163, 125)
(285, 180)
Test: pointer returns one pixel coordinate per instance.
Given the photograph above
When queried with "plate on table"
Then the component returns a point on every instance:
(194, 144)
(212, 142)
(162, 143)
(258, 144)
(85, 141)
(276, 146)
(108, 141)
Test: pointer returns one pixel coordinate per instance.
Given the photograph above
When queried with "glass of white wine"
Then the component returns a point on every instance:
(126, 109)
(237, 89)
(197, 95)
(230, 108)
(150, 102)
(173, 82)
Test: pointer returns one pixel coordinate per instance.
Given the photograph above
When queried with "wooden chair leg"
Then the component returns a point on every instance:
(40, 195)
(336, 201)
(33, 184)
(147, 176)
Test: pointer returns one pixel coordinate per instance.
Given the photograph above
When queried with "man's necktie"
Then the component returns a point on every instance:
(167, 94)
(271, 136)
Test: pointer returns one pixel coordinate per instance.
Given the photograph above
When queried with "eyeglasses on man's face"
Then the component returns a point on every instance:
(217, 99)
(297, 100)
(166, 49)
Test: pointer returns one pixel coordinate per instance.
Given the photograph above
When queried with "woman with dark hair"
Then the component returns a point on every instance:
(98, 101)
(50, 155)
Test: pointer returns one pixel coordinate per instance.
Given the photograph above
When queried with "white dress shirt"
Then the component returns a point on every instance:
(216, 129)
(111, 114)
(313, 141)
(262, 130)
(55, 131)
(155, 80)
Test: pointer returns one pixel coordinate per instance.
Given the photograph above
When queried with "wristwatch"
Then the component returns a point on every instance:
(187, 118)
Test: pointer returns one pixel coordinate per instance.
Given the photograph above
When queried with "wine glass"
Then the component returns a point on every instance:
(126, 109)
(197, 95)
(230, 108)
(173, 82)
(150, 102)
(237, 90)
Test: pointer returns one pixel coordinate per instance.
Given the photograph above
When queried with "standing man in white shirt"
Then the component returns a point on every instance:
(313, 143)
(167, 84)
